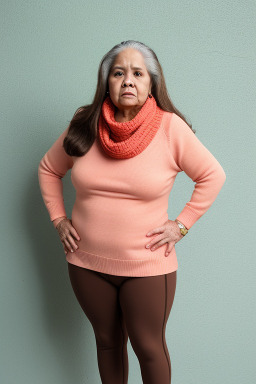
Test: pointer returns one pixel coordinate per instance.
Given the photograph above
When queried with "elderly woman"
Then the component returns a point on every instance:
(125, 150)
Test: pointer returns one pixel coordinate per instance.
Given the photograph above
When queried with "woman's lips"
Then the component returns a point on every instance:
(128, 94)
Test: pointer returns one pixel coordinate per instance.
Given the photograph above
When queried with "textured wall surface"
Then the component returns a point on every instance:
(50, 52)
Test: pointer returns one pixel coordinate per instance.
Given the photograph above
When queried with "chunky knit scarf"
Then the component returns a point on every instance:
(123, 140)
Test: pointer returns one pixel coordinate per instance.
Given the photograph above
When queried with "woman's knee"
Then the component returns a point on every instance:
(147, 347)
(109, 340)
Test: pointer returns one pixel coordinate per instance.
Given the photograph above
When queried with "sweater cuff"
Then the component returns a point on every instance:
(188, 217)
(55, 214)
(58, 221)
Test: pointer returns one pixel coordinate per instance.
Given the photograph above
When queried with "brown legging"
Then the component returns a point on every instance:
(121, 306)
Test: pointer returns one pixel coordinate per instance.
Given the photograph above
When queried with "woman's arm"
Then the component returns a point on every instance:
(192, 157)
(52, 168)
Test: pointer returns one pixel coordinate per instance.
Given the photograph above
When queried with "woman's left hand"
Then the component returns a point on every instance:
(168, 233)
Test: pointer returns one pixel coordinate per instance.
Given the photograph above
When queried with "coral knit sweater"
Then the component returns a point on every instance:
(118, 201)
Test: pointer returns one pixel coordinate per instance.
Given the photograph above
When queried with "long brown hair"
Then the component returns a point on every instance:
(83, 127)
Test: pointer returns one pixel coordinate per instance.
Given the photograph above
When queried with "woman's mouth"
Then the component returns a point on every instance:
(128, 94)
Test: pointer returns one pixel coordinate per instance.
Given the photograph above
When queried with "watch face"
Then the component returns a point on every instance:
(183, 229)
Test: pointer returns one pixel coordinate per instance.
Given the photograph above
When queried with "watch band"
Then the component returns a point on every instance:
(183, 229)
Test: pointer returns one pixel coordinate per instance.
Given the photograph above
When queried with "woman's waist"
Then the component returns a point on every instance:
(116, 214)
(108, 222)
(108, 235)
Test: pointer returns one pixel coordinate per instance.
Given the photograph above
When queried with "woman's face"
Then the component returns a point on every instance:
(129, 74)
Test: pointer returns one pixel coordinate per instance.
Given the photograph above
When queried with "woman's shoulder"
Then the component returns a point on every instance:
(174, 124)
(173, 117)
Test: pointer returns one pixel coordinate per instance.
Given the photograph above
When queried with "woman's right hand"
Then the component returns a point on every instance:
(67, 234)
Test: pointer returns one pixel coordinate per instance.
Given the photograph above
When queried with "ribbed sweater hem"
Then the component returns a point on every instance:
(118, 267)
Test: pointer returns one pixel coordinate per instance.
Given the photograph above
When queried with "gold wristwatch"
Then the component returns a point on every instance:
(183, 229)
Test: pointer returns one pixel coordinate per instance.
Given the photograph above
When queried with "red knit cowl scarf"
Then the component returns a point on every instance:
(123, 140)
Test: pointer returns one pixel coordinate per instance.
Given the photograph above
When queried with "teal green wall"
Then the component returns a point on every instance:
(50, 52)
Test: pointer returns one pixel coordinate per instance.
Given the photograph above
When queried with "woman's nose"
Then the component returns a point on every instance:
(127, 83)
(127, 79)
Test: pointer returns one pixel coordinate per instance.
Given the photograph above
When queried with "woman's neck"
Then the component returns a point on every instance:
(126, 115)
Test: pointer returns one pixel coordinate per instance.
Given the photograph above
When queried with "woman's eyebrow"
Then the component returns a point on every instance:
(119, 67)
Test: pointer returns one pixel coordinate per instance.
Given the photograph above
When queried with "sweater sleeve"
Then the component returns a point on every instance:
(192, 157)
(52, 168)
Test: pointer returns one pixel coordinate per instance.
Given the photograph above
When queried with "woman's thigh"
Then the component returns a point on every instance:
(99, 300)
(146, 303)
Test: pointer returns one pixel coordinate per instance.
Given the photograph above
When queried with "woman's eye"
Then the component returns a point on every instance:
(117, 73)
(122, 72)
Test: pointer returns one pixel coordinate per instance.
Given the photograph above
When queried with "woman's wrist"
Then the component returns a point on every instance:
(177, 221)
(58, 220)
(183, 229)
